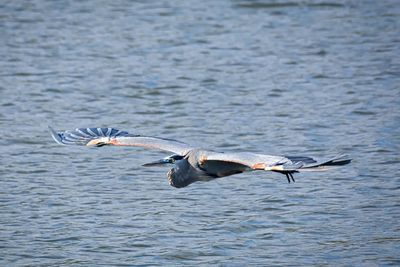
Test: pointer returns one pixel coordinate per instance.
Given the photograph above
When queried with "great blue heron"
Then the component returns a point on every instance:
(192, 164)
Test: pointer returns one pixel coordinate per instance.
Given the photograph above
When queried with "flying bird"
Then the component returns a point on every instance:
(191, 163)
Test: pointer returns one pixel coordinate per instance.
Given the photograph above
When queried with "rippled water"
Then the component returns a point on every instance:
(275, 77)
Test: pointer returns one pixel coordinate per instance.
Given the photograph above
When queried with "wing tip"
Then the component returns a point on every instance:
(341, 159)
(56, 136)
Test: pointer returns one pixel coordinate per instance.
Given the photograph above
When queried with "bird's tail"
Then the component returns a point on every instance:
(323, 165)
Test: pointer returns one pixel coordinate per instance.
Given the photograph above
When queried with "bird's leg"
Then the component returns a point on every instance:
(287, 176)
(291, 176)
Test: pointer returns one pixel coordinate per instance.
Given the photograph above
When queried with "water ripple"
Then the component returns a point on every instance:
(276, 77)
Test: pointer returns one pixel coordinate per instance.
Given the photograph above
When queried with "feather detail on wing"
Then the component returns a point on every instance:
(111, 136)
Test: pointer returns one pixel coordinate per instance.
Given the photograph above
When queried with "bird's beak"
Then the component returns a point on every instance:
(157, 163)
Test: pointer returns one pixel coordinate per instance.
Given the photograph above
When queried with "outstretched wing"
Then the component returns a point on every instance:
(274, 163)
(222, 164)
(115, 137)
(251, 161)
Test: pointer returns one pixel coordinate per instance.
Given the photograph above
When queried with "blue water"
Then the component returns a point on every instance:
(305, 78)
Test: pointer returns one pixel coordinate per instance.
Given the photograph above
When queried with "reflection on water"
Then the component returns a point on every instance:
(276, 77)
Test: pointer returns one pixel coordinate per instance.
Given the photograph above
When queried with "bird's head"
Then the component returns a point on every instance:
(182, 174)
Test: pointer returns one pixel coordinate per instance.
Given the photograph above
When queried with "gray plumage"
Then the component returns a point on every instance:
(192, 164)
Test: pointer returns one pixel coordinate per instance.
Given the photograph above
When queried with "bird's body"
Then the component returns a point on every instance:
(192, 164)
(188, 170)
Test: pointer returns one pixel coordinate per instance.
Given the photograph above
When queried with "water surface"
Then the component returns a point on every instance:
(275, 77)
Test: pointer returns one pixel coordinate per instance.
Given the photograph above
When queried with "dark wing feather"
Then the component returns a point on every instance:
(305, 160)
(338, 160)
